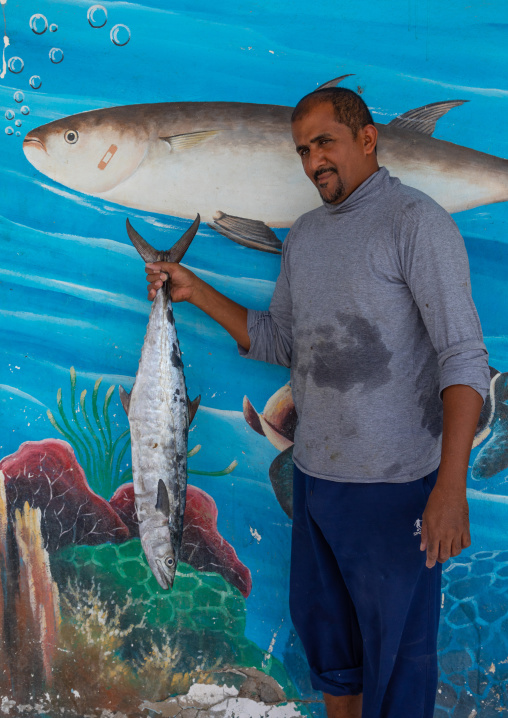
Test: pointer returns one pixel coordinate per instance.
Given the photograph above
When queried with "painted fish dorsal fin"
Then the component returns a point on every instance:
(175, 254)
(125, 399)
(423, 119)
(188, 140)
(162, 504)
(192, 406)
(248, 232)
(334, 82)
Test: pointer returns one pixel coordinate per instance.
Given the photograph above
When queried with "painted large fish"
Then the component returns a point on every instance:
(241, 160)
(159, 416)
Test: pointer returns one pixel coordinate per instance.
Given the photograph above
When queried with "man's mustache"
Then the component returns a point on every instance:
(322, 171)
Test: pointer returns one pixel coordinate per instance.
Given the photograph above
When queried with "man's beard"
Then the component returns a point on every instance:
(339, 192)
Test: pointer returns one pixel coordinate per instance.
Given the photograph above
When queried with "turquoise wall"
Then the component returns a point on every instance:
(72, 295)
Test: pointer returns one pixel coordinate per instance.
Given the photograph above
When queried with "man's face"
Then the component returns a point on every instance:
(335, 161)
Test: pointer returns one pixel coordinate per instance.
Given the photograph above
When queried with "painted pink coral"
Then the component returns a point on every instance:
(202, 545)
(47, 475)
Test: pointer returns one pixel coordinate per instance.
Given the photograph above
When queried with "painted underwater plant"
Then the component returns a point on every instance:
(97, 451)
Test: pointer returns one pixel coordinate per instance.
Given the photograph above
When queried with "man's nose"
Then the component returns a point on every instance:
(317, 158)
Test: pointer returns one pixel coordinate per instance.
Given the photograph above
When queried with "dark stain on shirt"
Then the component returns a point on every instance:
(359, 356)
(427, 391)
(392, 470)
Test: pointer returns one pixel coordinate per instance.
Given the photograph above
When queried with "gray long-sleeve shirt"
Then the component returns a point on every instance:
(373, 312)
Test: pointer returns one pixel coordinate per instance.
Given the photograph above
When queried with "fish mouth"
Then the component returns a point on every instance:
(31, 141)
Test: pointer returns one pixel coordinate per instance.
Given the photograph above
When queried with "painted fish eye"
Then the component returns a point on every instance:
(170, 562)
(71, 136)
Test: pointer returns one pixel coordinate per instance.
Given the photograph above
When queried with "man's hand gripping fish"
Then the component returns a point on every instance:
(159, 415)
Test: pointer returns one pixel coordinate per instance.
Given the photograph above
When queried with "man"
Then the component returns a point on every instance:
(373, 312)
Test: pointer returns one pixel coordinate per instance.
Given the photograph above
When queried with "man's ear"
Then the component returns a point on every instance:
(369, 139)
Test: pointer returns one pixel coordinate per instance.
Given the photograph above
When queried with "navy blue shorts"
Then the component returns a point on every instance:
(362, 600)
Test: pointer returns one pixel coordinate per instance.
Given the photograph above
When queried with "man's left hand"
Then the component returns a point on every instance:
(445, 525)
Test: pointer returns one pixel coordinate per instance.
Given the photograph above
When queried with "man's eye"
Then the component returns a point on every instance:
(303, 153)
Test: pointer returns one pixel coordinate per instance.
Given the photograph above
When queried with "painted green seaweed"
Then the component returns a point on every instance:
(97, 450)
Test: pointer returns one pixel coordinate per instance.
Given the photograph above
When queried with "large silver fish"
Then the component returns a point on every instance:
(241, 160)
(159, 416)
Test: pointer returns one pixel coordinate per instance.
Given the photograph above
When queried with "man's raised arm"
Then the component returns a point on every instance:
(187, 287)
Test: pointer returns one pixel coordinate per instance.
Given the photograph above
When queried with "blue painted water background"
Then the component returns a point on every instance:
(72, 287)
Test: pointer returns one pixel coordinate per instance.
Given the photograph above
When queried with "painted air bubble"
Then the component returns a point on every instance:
(53, 27)
(120, 35)
(18, 134)
(35, 82)
(9, 115)
(38, 23)
(18, 123)
(97, 16)
(56, 55)
(19, 96)
(9, 131)
(25, 110)
(15, 65)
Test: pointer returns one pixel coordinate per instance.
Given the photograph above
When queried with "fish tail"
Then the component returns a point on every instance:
(175, 254)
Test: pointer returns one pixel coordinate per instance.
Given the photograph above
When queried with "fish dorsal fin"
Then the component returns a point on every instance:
(423, 119)
(188, 140)
(334, 82)
(162, 504)
(192, 406)
(125, 399)
(175, 254)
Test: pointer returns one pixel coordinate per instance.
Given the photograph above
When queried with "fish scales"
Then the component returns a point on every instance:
(158, 418)
(158, 412)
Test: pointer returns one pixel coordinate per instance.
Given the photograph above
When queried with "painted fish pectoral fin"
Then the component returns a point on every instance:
(192, 407)
(248, 232)
(125, 399)
(423, 119)
(177, 143)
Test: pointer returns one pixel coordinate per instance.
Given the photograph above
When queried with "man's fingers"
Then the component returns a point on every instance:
(154, 277)
(445, 551)
(432, 554)
(424, 538)
(466, 539)
(456, 547)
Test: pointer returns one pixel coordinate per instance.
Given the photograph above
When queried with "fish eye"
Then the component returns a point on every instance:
(170, 562)
(71, 136)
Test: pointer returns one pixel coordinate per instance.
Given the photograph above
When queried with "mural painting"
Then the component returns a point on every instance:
(153, 114)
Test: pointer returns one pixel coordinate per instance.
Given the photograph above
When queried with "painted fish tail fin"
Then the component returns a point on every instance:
(175, 254)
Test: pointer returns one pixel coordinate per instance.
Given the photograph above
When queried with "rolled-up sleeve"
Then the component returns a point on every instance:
(436, 269)
(270, 332)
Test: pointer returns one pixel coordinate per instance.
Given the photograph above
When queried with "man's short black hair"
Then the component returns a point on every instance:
(350, 109)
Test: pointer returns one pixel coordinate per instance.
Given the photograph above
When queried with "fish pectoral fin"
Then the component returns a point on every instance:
(125, 399)
(188, 140)
(162, 503)
(247, 232)
(334, 82)
(423, 119)
(192, 406)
